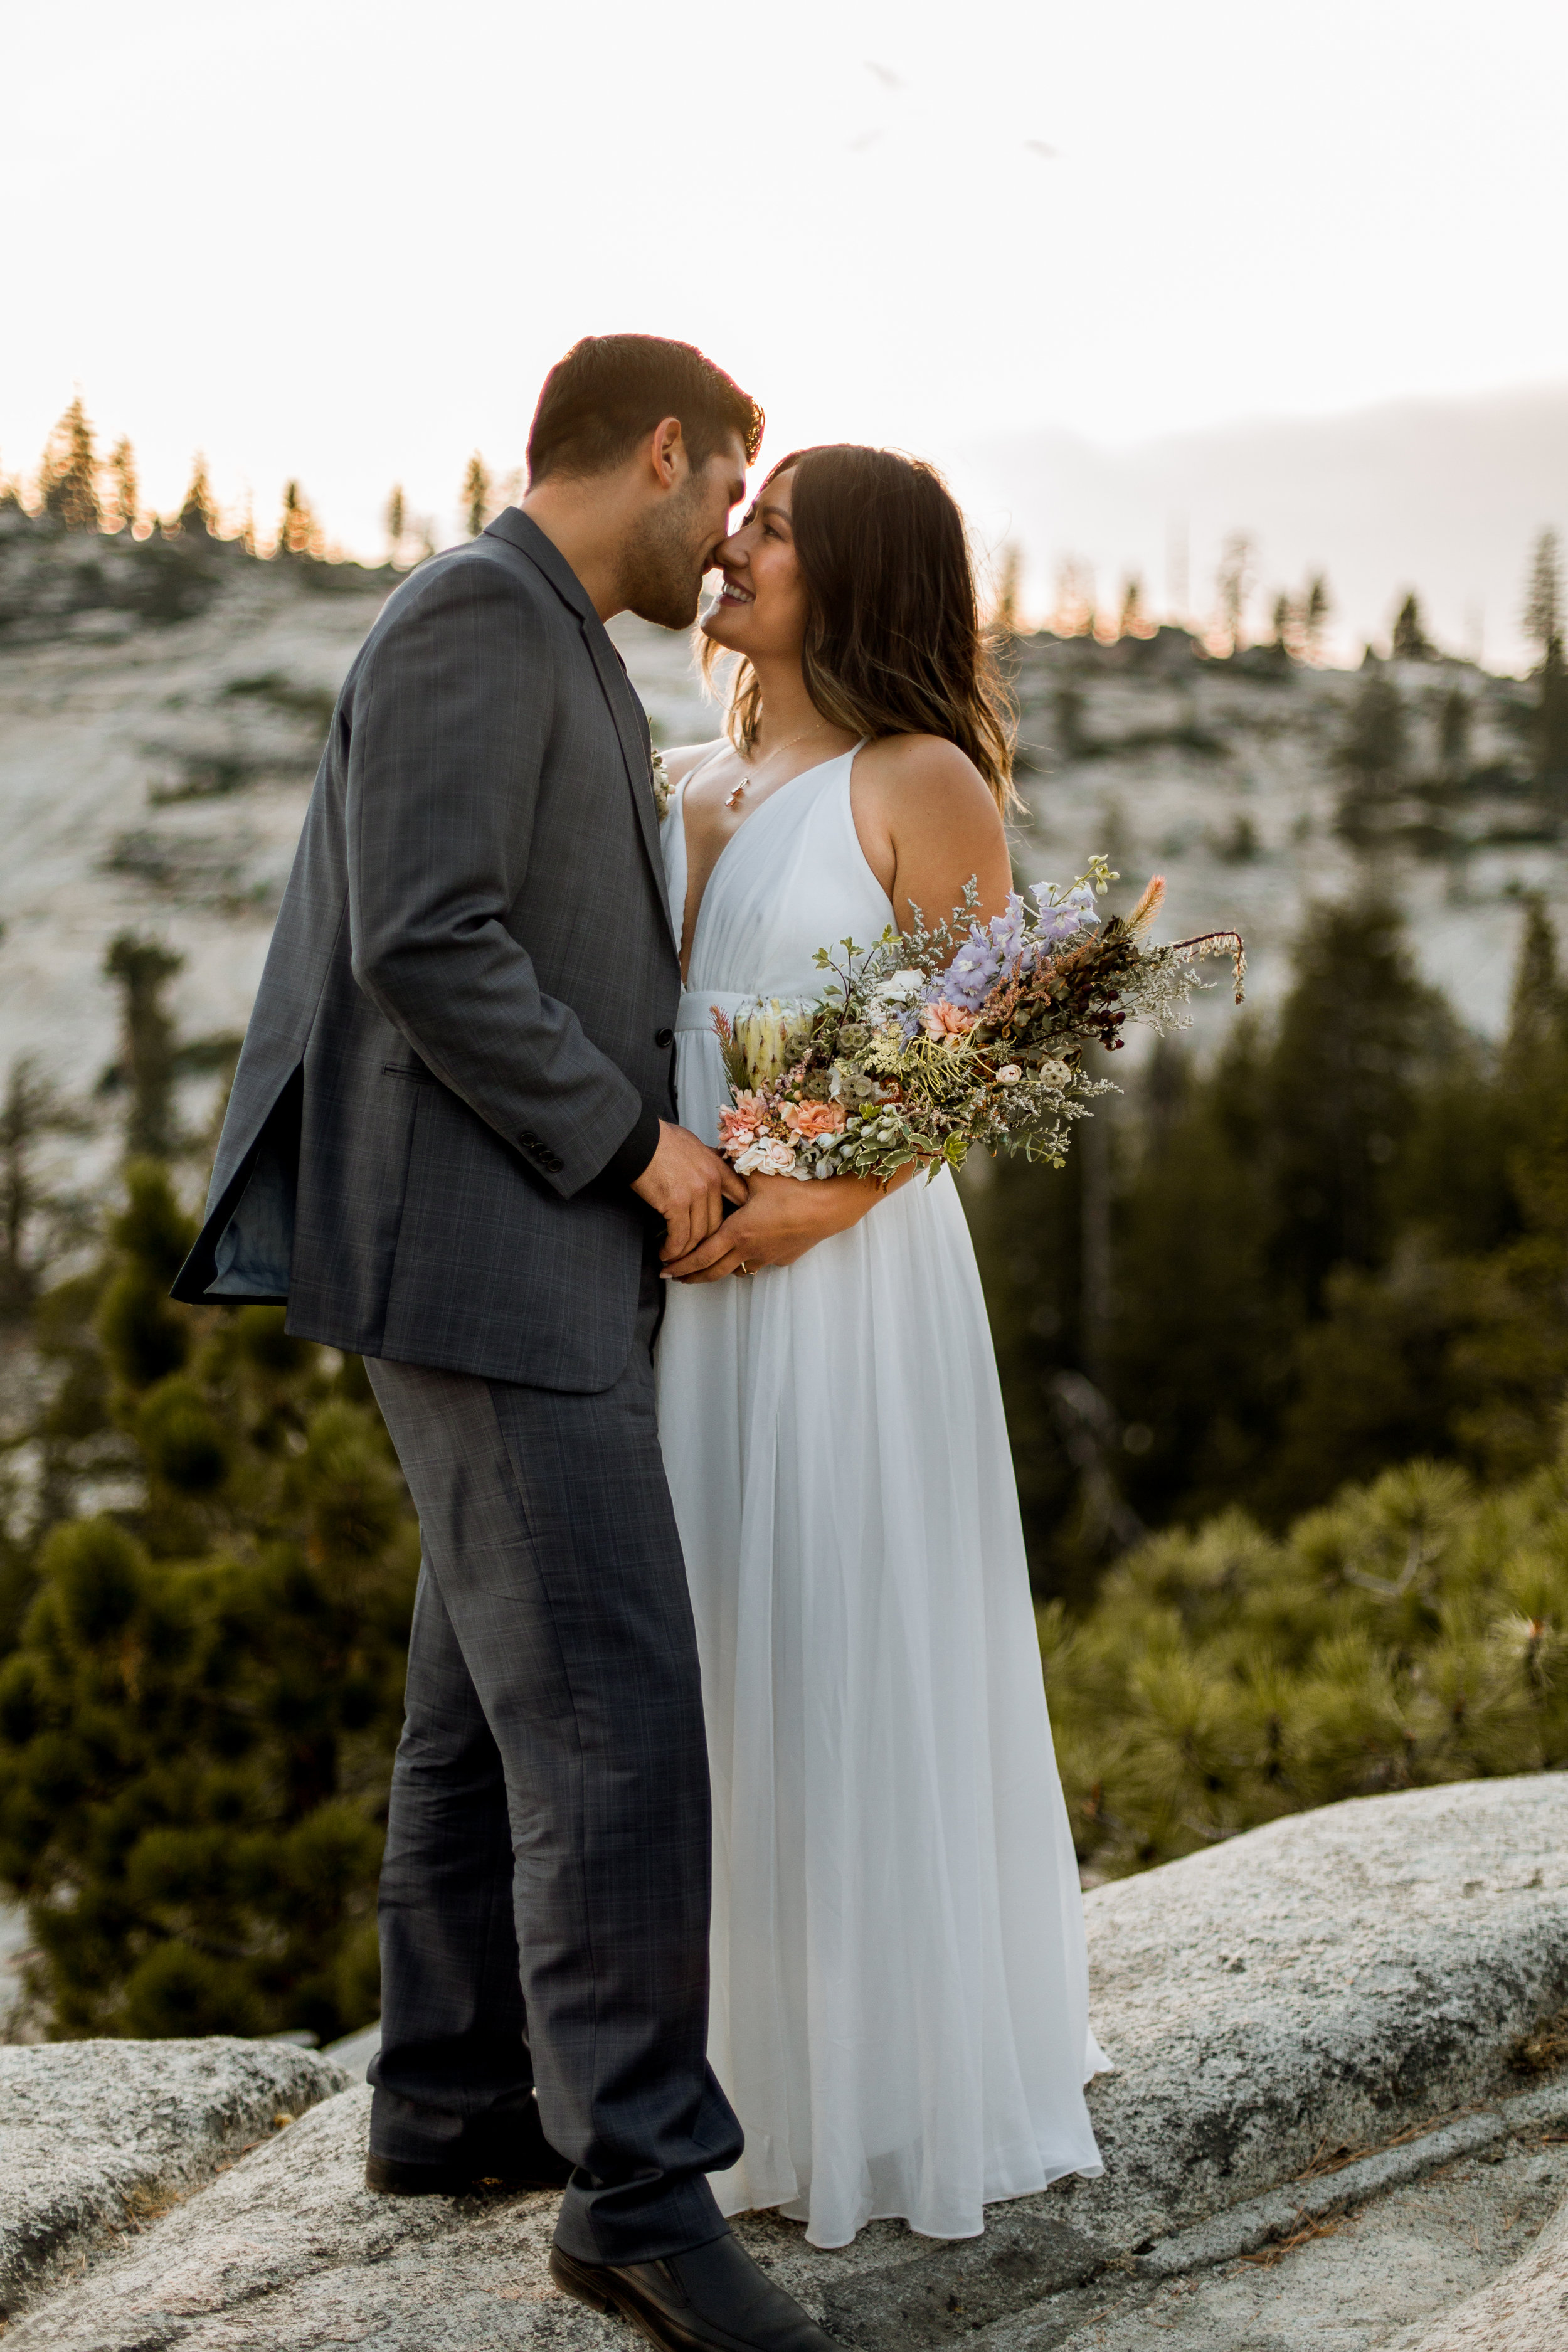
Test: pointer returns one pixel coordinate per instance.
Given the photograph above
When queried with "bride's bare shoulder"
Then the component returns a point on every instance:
(924, 773)
(679, 761)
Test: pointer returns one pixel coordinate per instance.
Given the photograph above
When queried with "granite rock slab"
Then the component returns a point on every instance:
(1324, 1986)
(94, 2136)
(1526, 2310)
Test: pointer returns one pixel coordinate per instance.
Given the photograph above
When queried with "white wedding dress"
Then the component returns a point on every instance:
(899, 2005)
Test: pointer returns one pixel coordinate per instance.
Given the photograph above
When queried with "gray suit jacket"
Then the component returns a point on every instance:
(461, 1043)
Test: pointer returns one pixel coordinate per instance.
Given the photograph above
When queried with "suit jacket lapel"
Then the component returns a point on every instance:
(625, 708)
(631, 726)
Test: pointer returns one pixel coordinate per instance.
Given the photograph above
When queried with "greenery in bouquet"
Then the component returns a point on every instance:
(938, 1039)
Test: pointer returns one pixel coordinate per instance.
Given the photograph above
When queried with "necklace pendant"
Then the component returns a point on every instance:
(733, 799)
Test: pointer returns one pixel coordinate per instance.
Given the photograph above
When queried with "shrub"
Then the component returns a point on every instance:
(1414, 1632)
(197, 1720)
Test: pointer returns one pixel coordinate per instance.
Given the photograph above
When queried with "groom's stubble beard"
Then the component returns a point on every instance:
(666, 561)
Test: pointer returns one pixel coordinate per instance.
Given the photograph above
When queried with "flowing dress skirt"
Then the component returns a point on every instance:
(900, 2004)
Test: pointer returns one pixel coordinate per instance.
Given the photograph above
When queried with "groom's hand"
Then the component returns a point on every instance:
(687, 1184)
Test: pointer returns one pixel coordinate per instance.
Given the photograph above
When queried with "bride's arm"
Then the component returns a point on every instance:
(782, 1220)
(927, 823)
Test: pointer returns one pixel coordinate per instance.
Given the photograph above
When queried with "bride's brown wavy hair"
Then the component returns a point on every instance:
(894, 644)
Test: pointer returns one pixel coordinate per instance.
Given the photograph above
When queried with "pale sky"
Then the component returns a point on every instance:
(343, 242)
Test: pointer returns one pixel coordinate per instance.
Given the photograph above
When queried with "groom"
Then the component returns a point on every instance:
(451, 1148)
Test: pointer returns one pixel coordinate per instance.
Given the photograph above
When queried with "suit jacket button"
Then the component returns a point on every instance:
(664, 1036)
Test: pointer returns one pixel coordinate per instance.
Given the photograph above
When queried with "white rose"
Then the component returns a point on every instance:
(1009, 1074)
(778, 1158)
(900, 984)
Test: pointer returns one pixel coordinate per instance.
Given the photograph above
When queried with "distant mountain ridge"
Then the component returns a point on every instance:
(1443, 496)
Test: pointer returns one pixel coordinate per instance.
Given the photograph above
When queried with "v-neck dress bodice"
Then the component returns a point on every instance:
(792, 879)
(899, 1987)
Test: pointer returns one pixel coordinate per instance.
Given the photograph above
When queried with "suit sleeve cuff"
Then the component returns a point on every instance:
(628, 1159)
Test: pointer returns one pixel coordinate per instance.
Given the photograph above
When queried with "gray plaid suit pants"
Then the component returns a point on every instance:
(545, 1897)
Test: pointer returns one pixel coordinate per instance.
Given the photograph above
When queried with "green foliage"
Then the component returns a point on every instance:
(1414, 1632)
(198, 1714)
(1372, 756)
(299, 533)
(1410, 642)
(67, 477)
(476, 495)
(1372, 1210)
(127, 489)
(35, 1217)
(199, 513)
(1543, 627)
(144, 968)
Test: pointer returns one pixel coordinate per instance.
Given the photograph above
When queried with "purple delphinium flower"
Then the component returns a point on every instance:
(987, 952)
(1009, 942)
(1077, 912)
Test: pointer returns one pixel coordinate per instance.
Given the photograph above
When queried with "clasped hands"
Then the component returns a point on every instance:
(776, 1219)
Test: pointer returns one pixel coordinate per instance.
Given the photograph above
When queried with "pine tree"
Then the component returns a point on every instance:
(1543, 627)
(1410, 639)
(1543, 598)
(396, 520)
(476, 495)
(1285, 623)
(1538, 1009)
(34, 1219)
(197, 512)
(1008, 585)
(1231, 584)
(1454, 721)
(1412, 1632)
(1201, 1338)
(1316, 606)
(201, 1686)
(126, 488)
(1372, 754)
(197, 1728)
(67, 478)
(1356, 1033)
(299, 533)
(147, 1065)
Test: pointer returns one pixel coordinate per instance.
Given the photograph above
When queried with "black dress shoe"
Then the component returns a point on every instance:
(710, 2299)
(473, 2176)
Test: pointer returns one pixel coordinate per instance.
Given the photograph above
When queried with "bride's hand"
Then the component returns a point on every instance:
(783, 1218)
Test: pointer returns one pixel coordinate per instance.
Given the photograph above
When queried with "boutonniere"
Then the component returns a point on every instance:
(662, 787)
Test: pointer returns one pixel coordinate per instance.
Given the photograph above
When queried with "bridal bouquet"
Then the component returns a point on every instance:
(933, 1041)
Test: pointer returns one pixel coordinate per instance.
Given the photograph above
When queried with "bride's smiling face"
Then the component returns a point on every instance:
(761, 609)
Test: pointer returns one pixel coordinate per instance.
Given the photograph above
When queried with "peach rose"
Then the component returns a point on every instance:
(736, 1128)
(818, 1118)
(943, 1020)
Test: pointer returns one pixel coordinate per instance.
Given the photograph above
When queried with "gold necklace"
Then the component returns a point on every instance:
(733, 799)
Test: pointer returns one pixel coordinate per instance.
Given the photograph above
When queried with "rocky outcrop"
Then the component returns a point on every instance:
(1329, 1980)
(1525, 2311)
(1279, 2011)
(97, 2137)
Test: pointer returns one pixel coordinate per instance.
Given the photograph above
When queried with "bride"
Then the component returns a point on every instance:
(900, 2006)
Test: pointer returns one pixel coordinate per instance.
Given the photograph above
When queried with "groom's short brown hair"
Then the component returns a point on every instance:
(609, 390)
